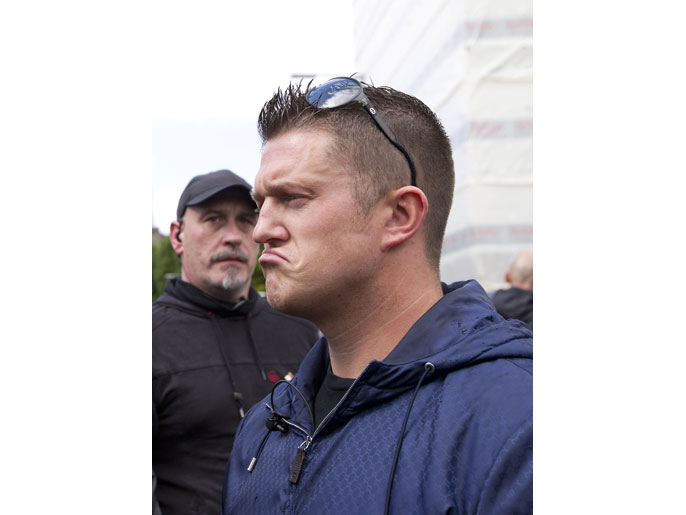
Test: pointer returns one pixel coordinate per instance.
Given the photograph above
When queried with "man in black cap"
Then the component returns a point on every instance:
(218, 347)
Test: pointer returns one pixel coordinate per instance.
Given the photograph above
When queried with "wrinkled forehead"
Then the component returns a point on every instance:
(296, 156)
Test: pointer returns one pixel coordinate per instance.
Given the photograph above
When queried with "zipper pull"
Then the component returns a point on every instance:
(299, 460)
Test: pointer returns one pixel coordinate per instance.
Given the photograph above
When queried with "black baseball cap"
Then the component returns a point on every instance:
(202, 187)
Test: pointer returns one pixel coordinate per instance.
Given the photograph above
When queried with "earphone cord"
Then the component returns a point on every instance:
(307, 404)
(276, 421)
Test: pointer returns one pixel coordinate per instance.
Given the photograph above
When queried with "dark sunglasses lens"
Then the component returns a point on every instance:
(335, 93)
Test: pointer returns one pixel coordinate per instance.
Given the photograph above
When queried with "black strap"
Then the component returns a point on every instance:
(237, 396)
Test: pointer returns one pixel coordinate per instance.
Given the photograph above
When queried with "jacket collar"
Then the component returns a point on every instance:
(460, 330)
(183, 295)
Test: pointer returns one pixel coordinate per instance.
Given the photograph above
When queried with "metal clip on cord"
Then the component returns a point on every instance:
(276, 421)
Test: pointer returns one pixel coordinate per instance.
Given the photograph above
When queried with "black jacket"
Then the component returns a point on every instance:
(210, 361)
(515, 303)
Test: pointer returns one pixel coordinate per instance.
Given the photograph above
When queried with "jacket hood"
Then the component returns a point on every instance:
(479, 334)
(184, 296)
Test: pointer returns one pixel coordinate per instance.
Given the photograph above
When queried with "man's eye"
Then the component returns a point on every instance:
(293, 199)
(250, 220)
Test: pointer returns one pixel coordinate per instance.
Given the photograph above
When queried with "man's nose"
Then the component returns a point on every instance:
(232, 234)
(268, 227)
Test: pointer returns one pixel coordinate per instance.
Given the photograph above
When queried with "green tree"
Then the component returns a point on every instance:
(258, 276)
(166, 263)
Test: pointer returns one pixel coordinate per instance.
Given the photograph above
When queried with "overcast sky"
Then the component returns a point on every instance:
(214, 67)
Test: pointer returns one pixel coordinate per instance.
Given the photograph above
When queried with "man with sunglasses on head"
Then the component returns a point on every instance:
(217, 346)
(418, 399)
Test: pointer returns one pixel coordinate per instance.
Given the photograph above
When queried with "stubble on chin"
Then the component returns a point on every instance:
(234, 279)
(274, 299)
(281, 301)
(283, 295)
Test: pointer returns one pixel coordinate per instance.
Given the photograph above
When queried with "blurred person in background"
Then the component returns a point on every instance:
(418, 399)
(517, 301)
(217, 346)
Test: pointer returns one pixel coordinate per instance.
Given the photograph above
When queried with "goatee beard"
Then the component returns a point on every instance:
(232, 283)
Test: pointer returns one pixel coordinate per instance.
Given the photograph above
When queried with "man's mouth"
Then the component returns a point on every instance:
(228, 259)
(271, 256)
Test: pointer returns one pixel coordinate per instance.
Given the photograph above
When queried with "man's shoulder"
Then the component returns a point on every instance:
(173, 328)
(512, 293)
(163, 315)
(498, 372)
(167, 309)
(182, 342)
(501, 389)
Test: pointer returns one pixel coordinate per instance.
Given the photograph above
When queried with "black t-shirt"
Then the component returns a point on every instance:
(331, 391)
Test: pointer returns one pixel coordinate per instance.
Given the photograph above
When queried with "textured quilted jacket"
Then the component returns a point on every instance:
(442, 425)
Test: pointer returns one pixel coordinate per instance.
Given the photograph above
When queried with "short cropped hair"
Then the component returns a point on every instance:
(379, 167)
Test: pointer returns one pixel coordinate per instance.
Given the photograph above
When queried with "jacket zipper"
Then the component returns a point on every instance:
(328, 415)
(301, 454)
(297, 465)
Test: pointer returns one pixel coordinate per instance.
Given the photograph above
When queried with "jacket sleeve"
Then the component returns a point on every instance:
(509, 485)
(155, 505)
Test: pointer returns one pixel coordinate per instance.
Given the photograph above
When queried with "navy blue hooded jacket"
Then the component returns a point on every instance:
(461, 428)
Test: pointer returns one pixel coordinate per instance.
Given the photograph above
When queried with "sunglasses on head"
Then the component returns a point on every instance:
(342, 91)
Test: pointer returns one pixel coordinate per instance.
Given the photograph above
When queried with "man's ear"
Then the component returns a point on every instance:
(406, 208)
(175, 232)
